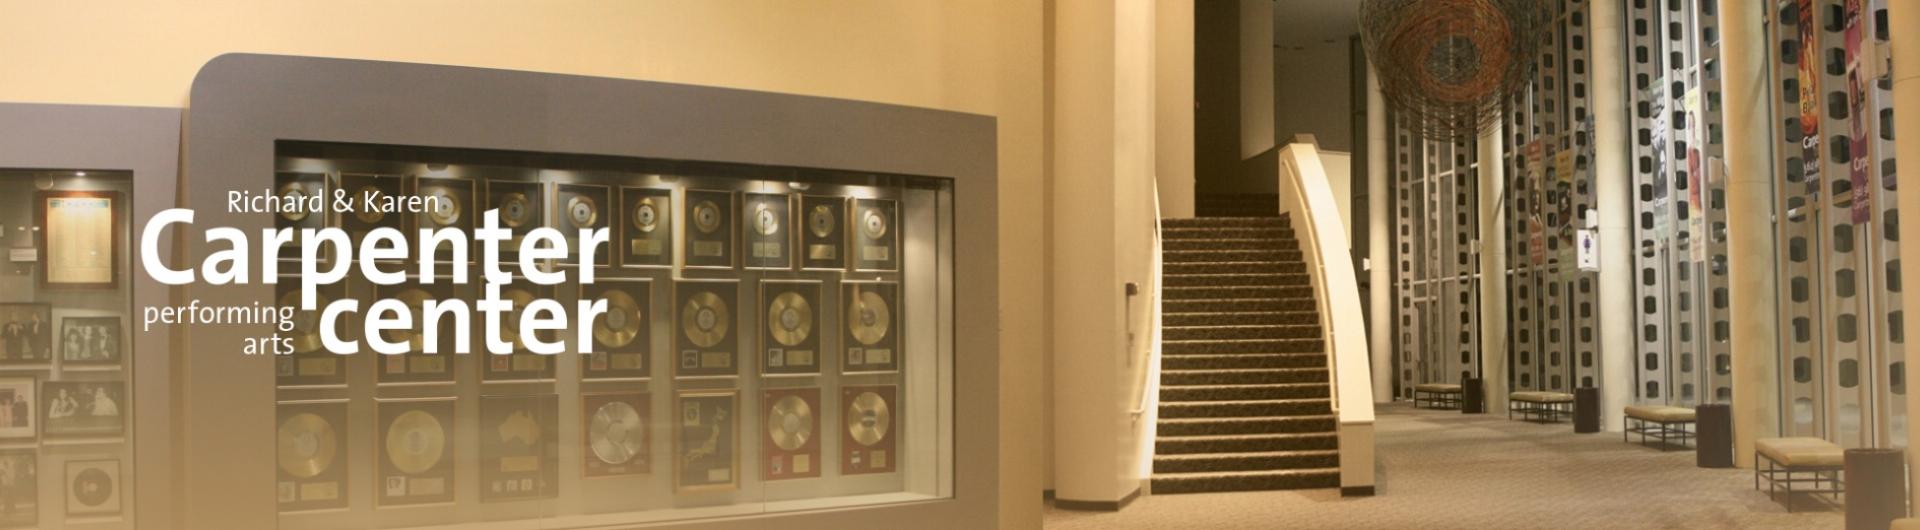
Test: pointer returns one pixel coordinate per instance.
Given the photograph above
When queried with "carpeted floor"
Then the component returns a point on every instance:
(1442, 469)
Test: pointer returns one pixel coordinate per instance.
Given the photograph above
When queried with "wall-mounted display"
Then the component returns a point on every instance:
(301, 189)
(363, 191)
(872, 343)
(791, 447)
(710, 228)
(823, 239)
(769, 234)
(519, 447)
(790, 340)
(415, 448)
(522, 207)
(416, 365)
(21, 469)
(83, 408)
(451, 207)
(311, 447)
(706, 441)
(876, 239)
(522, 364)
(648, 230)
(79, 241)
(706, 336)
(867, 441)
(584, 207)
(616, 441)
(310, 364)
(623, 335)
(26, 333)
(17, 408)
(90, 341)
(93, 488)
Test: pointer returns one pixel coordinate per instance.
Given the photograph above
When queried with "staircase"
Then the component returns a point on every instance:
(1244, 396)
(1236, 205)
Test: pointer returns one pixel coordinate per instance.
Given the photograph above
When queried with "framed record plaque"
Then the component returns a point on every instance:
(522, 364)
(310, 364)
(416, 366)
(867, 440)
(522, 207)
(301, 189)
(365, 192)
(706, 333)
(623, 335)
(706, 441)
(709, 229)
(414, 452)
(769, 236)
(584, 207)
(871, 321)
(823, 239)
(790, 328)
(616, 442)
(21, 468)
(451, 207)
(80, 238)
(791, 448)
(646, 233)
(311, 447)
(519, 447)
(876, 235)
(93, 488)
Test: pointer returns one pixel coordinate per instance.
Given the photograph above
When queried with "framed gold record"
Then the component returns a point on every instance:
(869, 439)
(310, 450)
(768, 238)
(870, 324)
(623, 335)
(451, 207)
(294, 188)
(414, 451)
(823, 242)
(706, 441)
(791, 445)
(416, 366)
(791, 326)
(363, 217)
(522, 207)
(519, 447)
(709, 229)
(522, 365)
(310, 364)
(584, 207)
(644, 237)
(876, 235)
(615, 435)
(706, 328)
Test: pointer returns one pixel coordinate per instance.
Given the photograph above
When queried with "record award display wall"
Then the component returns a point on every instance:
(764, 338)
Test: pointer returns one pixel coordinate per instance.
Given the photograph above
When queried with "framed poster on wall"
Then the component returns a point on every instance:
(78, 241)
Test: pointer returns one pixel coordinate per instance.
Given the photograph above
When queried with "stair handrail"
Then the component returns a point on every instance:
(1148, 376)
(1308, 201)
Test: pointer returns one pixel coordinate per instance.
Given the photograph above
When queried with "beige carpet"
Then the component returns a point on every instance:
(1442, 469)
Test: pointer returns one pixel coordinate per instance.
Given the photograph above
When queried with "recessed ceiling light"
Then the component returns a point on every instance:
(79, 173)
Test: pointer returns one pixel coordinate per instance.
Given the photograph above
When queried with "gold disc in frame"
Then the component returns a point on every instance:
(306, 324)
(621, 323)
(365, 212)
(821, 220)
(706, 217)
(515, 210)
(510, 320)
(765, 220)
(582, 211)
(868, 317)
(293, 193)
(307, 445)
(873, 223)
(415, 442)
(791, 318)
(415, 337)
(868, 419)
(615, 433)
(704, 319)
(446, 210)
(646, 214)
(790, 423)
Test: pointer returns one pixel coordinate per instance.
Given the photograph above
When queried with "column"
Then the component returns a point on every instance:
(1379, 243)
(1256, 81)
(1493, 269)
(1173, 106)
(1751, 283)
(1906, 131)
(1613, 200)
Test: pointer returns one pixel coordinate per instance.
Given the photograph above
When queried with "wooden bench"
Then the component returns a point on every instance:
(1910, 523)
(1786, 456)
(1660, 422)
(1437, 395)
(1537, 406)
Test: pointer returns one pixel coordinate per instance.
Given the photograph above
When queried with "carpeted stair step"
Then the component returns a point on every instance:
(1241, 318)
(1229, 244)
(1210, 256)
(1234, 267)
(1244, 443)
(1273, 425)
(1228, 293)
(1257, 461)
(1227, 222)
(1173, 233)
(1246, 408)
(1247, 481)
(1176, 347)
(1236, 361)
(1239, 305)
(1271, 376)
(1240, 332)
(1203, 393)
(1237, 280)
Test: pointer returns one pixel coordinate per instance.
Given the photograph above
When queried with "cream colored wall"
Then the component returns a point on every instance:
(977, 56)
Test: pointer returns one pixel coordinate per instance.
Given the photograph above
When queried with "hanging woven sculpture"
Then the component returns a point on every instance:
(1446, 65)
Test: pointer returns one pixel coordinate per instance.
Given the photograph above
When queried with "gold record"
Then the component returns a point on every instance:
(307, 445)
(515, 210)
(821, 221)
(510, 321)
(868, 317)
(615, 433)
(790, 423)
(868, 419)
(792, 318)
(415, 337)
(582, 211)
(873, 223)
(646, 214)
(293, 193)
(765, 221)
(365, 213)
(416, 442)
(704, 319)
(447, 210)
(706, 217)
(306, 324)
(621, 323)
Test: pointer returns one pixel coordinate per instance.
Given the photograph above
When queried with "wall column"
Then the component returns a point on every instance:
(1493, 269)
(1379, 244)
(1173, 106)
(1256, 78)
(1751, 283)
(1906, 129)
(1613, 198)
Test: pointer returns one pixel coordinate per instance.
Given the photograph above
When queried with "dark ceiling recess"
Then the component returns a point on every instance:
(1446, 65)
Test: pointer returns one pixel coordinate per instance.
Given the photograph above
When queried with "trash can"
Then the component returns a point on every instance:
(1713, 435)
(1586, 410)
(1876, 484)
(1473, 398)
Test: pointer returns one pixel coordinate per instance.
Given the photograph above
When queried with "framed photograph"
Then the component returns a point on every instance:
(19, 488)
(84, 408)
(706, 441)
(17, 406)
(79, 239)
(90, 340)
(93, 487)
(519, 447)
(26, 333)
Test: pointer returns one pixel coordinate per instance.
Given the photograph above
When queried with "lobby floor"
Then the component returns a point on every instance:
(1443, 469)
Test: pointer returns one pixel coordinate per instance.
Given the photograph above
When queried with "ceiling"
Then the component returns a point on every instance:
(1307, 23)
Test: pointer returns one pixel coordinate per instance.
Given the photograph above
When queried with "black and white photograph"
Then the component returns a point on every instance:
(26, 333)
(19, 488)
(90, 340)
(16, 407)
(84, 408)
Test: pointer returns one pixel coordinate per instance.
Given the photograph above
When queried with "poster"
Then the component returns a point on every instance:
(78, 230)
(1859, 162)
(1809, 96)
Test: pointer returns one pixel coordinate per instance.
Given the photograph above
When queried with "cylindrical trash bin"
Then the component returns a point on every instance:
(1586, 410)
(1713, 436)
(1876, 484)
(1473, 398)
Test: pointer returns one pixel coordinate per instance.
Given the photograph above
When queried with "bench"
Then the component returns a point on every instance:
(1437, 395)
(1910, 523)
(1660, 422)
(1537, 406)
(1785, 457)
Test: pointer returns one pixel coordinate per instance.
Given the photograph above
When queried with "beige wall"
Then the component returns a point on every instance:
(977, 56)
(1313, 94)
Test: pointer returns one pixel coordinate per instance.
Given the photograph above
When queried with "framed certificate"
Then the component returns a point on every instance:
(78, 239)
